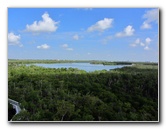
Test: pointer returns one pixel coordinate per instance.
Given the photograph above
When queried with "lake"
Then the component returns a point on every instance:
(83, 66)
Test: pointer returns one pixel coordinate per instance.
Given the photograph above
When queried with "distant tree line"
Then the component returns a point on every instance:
(30, 61)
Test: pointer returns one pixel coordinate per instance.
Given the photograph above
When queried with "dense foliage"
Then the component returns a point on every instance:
(46, 94)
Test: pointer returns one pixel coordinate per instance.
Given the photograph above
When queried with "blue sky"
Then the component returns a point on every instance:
(112, 34)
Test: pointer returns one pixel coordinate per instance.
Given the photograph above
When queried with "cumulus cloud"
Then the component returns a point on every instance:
(44, 46)
(14, 39)
(101, 25)
(136, 42)
(148, 40)
(145, 44)
(146, 48)
(142, 44)
(133, 45)
(76, 37)
(146, 25)
(45, 25)
(128, 31)
(151, 16)
(66, 47)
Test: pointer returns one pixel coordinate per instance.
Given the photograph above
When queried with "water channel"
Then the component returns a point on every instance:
(83, 66)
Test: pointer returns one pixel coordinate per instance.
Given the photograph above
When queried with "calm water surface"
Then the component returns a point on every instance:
(83, 66)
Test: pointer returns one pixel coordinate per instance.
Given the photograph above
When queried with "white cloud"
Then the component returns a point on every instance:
(146, 25)
(89, 53)
(128, 31)
(14, 39)
(133, 45)
(148, 40)
(66, 47)
(101, 25)
(76, 37)
(147, 43)
(142, 44)
(46, 25)
(44, 46)
(146, 47)
(151, 16)
(138, 42)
